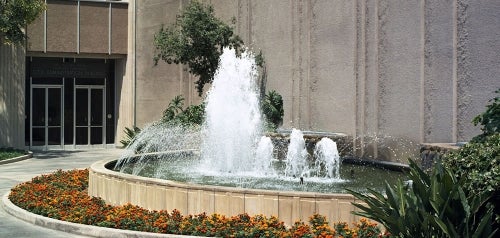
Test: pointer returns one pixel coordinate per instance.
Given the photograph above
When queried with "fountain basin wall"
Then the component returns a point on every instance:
(158, 194)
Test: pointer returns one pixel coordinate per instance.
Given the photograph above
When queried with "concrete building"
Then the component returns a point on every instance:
(416, 70)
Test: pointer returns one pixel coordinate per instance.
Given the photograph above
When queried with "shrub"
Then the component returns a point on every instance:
(63, 195)
(175, 112)
(489, 120)
(8, 153)
(433, 205)
(478, 163)
(272, 108)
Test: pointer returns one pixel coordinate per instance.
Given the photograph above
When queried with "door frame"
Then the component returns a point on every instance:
(89, 126)
(46, 126)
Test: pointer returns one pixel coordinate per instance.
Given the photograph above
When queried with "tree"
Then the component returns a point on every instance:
(196, 39)
(14, 16)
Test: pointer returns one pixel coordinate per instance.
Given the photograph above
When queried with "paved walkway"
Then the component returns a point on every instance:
(42, 163)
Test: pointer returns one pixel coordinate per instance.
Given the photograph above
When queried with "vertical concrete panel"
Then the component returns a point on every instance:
(155, 85)
(237, 203)
(169, 199)
(478, 34)
(94, 20)
(226, 10)
(332, 63)
(285, 210)
(61, 26)
(150, 201)
(345, 209)
(370, 92)
(307, 208)
(399, 59)
(327, 209)
(124, 192)
(36, 33)
(12, 87)
(270, 205)
(180, 200)
(119, 29)
(194, 201)
(438, 71)
(208, 202)
(270, 31)
(253, 204)
(221, 203)
(200, 201)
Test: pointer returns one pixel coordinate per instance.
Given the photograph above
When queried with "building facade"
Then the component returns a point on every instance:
(415, 70)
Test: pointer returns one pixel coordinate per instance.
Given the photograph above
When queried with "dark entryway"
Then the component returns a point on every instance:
(69, 103)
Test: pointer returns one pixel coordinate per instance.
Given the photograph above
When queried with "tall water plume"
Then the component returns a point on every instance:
(233, 125)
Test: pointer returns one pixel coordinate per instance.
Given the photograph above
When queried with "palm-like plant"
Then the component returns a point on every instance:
(174, 108)
(130, 135)
(272, 107)
(433, 205)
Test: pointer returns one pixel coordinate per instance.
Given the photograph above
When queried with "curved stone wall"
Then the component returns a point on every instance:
(156, 194)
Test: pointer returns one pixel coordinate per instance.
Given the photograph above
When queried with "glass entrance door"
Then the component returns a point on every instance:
(46, 117)
(89, 114)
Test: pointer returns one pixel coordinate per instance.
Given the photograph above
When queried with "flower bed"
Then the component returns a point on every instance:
(63, 195)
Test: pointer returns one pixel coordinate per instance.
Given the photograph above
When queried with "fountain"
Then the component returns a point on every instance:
(229, 166)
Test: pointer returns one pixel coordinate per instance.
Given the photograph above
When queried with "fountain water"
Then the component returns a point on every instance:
(327, 158)
(296, 156)
(264, 157)
(232, 148)
(235, 156)
(233, 123)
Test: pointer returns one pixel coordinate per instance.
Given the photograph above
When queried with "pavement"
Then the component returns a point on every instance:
(43, 163)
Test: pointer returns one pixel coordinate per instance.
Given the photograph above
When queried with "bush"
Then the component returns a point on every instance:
(478, 163)
(433, 205)
(272, 108)
(489, 120)
(63, 195)
(8, 153)
(175, 113)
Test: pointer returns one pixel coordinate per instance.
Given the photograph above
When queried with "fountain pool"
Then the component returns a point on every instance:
(227, 166)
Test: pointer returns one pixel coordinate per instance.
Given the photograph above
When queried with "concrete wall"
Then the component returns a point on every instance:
(413, 71)
(12, 71)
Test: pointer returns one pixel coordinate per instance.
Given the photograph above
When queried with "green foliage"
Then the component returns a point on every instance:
(272, 108)
(489, 120)
(196, 39)
(434, 205)
(9, 153)
(478, 163)
(174, 113)
(130, 135)
(14, 16)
